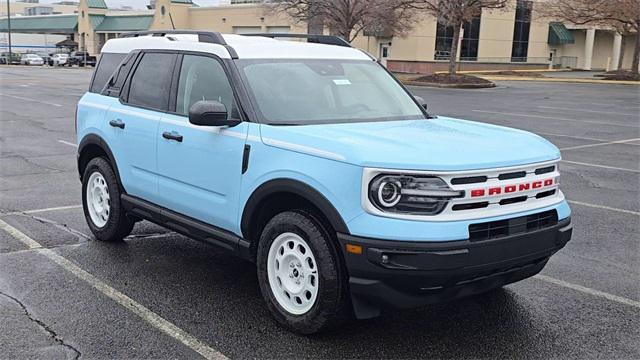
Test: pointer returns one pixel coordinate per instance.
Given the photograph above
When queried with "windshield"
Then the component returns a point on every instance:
(303, 91)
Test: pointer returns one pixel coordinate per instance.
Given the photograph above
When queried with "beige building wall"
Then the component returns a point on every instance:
(87, 39)
(496, 35)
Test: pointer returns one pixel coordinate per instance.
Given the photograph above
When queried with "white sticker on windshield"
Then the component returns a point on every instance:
(342, 82)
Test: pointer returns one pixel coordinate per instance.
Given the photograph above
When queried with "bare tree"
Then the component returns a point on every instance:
(349, 18)
(455, 13)
(621, 15)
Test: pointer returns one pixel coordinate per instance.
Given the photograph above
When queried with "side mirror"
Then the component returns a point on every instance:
(421, 101)
(210, 113)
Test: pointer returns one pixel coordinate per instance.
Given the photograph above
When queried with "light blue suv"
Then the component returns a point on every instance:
(311, 160)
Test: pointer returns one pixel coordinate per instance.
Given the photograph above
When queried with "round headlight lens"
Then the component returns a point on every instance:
(389, 193)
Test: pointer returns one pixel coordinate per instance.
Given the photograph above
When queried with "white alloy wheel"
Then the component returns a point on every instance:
(98, 200)
(293, 273)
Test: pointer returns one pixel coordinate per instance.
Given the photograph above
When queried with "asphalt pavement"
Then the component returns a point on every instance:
(161, 295)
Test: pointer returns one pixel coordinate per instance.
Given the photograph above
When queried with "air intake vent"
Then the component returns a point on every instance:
(519, 225)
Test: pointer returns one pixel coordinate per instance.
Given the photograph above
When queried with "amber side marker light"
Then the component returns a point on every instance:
(354, 249)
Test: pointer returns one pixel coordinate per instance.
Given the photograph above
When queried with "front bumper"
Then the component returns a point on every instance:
(410, 274)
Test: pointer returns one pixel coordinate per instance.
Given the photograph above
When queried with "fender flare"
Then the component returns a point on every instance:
(297, 188)
(95, 140)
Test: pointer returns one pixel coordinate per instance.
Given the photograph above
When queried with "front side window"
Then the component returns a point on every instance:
(151, 82)
(304, 91)
(203, 78)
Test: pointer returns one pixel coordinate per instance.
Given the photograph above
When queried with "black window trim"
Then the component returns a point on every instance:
(128, 62)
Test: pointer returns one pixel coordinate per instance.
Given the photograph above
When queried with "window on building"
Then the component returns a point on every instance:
(203, 78)
(470, 41)
(151, 82)
(520, 48)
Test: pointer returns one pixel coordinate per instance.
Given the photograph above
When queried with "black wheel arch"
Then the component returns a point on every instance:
(288, 188)
(93, 145)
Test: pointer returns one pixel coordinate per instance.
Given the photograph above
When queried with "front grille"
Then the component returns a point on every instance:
(519, 225)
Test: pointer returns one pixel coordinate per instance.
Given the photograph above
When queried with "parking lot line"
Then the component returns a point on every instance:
(554, 118)
(603, 144)
(570, 136)
(588, 111)
(68, 143)
(604, 207)
(600, 166)
(138, 309)
(32, 100)
(586, 290)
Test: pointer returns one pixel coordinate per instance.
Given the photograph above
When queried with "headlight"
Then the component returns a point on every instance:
(403, 194)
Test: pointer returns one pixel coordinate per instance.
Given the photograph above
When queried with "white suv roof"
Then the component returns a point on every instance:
(246, 47)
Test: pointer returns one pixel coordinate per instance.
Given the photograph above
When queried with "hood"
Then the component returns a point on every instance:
(442, 144)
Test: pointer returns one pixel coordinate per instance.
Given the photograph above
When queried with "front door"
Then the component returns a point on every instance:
(200, 167)
(385, 50)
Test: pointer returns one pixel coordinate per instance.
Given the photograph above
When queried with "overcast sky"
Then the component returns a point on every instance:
(138, 4)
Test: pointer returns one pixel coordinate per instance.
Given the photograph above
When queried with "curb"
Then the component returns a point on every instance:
(449, 86)
(562, 80)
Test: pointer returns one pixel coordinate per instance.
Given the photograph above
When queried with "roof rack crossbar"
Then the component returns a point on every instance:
(203, 36)
(312, 38)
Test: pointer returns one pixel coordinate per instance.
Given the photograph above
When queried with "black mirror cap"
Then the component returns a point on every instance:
(421, 101)
(210, 113)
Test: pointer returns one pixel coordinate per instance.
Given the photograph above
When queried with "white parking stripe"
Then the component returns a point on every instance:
(68, 143)
(570, 136)
(145, 314)
(32, 100)
(588, 111)
(554, 118)
(586, 290)
(600, 166)
(602, 144)
(604, 207)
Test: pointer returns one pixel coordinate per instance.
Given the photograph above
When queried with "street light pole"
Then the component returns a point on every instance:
(9, 58)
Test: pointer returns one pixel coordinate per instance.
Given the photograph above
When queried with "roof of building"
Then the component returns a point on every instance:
(121, 23)
(246, 47)
(57, 24)
(182, 2)
(96, 4)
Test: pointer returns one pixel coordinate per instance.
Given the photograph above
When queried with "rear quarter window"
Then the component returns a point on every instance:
(107, 65)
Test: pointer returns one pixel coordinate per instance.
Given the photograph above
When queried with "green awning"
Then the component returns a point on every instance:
(96, 20)
(559, 34)
(116, 24)
(51, 24)
(96, 4)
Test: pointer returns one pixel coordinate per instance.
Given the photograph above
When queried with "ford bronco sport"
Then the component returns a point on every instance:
(311, 160)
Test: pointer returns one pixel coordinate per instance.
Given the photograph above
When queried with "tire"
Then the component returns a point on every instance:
(100, 191)
(306, 309)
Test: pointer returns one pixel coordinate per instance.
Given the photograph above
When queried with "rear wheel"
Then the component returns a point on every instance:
(101, 202)
(301, 276)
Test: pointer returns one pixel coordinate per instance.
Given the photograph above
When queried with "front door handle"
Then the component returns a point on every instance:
(117, 123)
(172, 136)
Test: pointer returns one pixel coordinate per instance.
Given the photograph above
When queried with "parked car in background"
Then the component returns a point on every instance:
(58, 59)
(45, 56)
(82, 59)
(4, 58)
(31, 59)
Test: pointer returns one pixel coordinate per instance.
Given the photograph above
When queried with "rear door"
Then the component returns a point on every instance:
(134, 121)
(200, 167)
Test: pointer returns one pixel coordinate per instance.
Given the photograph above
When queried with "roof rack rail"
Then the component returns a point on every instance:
(317, 39)
(203, 36)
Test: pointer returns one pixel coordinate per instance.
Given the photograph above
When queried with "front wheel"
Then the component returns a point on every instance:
(101, 202)
(302, 279)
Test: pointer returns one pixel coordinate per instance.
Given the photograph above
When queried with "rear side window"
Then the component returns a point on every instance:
(107, 65)
(151, 82)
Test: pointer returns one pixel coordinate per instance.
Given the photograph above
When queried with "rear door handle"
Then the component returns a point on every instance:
(172, 136)
(117, 123)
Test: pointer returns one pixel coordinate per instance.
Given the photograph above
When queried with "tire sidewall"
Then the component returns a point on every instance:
(330, 279)
(114, 224)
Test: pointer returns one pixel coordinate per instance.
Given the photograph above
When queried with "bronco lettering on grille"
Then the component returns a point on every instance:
(510, 189)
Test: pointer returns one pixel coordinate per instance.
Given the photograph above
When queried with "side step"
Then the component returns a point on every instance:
(187, 226)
